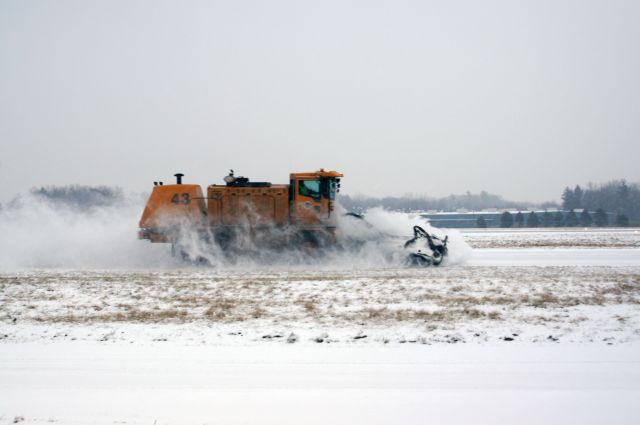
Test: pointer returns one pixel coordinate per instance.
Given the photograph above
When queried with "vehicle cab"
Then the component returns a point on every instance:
(312, 196)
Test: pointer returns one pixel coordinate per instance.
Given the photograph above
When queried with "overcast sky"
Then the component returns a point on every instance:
(519, 98)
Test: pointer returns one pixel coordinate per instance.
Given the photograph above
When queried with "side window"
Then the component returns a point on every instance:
(310, 188)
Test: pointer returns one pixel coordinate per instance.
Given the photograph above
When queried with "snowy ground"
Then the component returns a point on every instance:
(519, 334)
(163, 383)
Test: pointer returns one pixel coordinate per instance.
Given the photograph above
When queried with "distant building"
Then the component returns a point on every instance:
(465, 220)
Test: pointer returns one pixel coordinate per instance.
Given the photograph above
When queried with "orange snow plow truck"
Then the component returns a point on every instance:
(275, 215)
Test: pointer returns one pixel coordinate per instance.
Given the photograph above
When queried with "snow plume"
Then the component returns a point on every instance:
(374, 240)
(38, 232)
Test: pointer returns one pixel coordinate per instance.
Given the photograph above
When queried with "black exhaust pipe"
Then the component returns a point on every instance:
(179, 178)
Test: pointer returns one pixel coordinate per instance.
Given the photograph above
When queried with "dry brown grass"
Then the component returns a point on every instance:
(132, 316)
(494, 315)
(258, 312)
(544, 300)
(425, 297)
(310, 307)
(385, 314)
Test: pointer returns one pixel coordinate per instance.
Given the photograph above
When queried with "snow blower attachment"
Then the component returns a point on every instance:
(260, 219)
(437, 248)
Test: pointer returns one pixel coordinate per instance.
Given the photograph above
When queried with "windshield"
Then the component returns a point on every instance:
(310, 188)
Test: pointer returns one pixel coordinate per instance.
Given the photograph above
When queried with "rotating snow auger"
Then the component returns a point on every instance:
(422, 250)
(437, 247)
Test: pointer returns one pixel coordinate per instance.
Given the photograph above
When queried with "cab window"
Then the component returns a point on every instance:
(310, 188)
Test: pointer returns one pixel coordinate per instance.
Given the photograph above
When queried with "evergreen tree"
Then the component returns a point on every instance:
(622, 220)
(481, 222)
(519, 219)
(572, 219)
(506, 220)
(558, 219)
(547, 219)
(623, 197)
(585, 218)
(577, 197)
(568, 199)
(533, 221)
(619, 196)
(600, 218)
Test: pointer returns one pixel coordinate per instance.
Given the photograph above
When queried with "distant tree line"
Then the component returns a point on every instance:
(80, 197)
(614, 203)
(586, 207)
(468, 201)
(617, 197)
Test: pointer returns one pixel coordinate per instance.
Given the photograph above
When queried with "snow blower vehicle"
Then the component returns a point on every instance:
(260, 219)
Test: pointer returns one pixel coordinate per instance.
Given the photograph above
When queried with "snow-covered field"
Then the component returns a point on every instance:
(520, 332)
(554, 238)
(389, 306)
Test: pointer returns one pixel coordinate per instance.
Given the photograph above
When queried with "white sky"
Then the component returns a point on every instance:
(516, 98)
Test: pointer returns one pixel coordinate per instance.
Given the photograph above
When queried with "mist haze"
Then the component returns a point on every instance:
(423, 98)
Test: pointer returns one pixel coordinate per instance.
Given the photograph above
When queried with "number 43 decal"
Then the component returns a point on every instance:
(185, 199)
